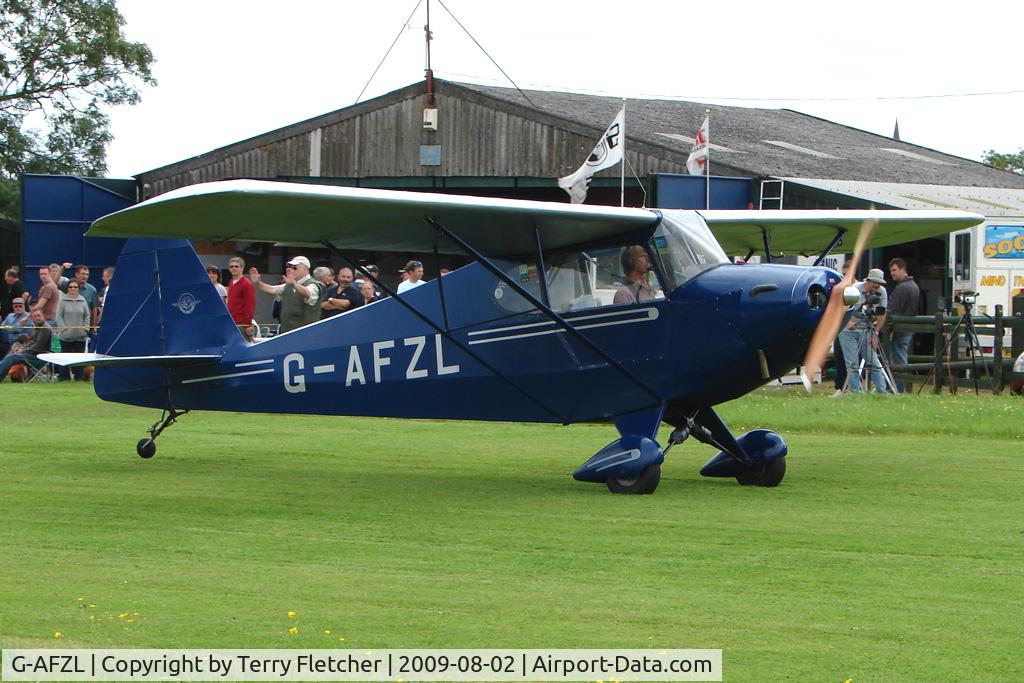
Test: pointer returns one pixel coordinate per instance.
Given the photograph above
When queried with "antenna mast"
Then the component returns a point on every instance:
(429, 72)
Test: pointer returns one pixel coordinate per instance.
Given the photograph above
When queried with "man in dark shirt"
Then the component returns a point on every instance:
(39, 340)
(15, 290)
(903, 300)
(342, 296)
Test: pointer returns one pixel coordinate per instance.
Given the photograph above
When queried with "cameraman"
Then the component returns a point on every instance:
(860, 338)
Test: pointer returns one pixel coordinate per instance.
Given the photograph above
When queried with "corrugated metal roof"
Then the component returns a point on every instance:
(993, 202)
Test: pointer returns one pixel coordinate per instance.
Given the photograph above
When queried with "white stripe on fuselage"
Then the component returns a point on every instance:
(649, 314)
(233, 374)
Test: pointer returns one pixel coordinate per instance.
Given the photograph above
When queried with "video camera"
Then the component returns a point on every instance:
(965, 298)
(870, 307)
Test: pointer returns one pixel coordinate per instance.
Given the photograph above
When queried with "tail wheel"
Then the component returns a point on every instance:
(771, 476)
(645, 482)
(146, 448)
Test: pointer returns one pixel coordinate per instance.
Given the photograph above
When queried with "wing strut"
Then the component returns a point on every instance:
(836, 241)
(447, 334)
(547, 311)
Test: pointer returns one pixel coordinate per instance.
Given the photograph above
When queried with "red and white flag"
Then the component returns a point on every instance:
(697, 162)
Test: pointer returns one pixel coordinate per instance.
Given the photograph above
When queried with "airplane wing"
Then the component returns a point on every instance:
(360, 218)
(809, 232)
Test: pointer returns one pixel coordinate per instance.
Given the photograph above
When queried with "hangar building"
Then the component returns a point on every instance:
(453, 137)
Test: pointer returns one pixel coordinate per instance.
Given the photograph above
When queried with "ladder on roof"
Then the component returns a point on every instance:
(771, 193)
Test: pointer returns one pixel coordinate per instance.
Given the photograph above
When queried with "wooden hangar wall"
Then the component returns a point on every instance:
(385, 138)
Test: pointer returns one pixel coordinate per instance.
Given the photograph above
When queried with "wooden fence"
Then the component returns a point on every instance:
(949, 365)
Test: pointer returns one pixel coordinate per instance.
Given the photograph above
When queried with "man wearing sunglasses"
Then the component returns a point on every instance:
(15, 324)
(298, 294)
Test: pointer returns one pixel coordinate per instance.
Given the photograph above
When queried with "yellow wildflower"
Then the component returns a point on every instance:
(292, 614)
(294, 631)
(58, 635)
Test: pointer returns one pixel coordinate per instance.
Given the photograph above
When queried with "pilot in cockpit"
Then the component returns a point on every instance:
(636, 264)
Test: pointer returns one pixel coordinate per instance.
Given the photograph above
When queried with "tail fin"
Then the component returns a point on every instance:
(161, 302)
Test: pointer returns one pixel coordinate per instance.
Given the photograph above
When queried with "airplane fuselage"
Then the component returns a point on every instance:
(720, 335)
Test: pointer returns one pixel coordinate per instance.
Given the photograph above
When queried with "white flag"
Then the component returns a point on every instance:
(607, 153)
(697, 162)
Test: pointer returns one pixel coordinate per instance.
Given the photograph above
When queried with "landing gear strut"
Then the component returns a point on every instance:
(146, 448)
(757, 458)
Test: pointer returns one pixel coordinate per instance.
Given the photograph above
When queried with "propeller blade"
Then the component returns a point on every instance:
(828, 327)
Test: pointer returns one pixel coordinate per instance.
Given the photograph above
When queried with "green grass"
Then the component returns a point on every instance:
(894, 549)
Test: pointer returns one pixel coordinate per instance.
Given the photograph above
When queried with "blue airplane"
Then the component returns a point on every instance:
(568, 313)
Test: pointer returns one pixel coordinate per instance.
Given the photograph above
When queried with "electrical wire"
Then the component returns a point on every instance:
(379, 65)
(486, 53)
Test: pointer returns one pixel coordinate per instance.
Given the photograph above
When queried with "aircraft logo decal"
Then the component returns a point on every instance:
(186, 303)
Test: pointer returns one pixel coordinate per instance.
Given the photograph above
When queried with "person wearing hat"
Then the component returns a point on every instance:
(299, 294)
(860, 337)
(413, 276)
(17, 323)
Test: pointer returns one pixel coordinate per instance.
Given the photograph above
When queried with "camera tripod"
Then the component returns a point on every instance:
(966, 322)
(871, 341)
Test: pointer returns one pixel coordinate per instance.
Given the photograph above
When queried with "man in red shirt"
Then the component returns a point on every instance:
(241, 297)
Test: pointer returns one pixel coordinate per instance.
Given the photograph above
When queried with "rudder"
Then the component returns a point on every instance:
(161, 302)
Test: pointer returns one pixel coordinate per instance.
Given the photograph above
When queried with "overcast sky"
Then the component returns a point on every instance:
(229, 70)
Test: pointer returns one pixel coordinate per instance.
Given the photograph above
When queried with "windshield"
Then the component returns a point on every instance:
(685, 247)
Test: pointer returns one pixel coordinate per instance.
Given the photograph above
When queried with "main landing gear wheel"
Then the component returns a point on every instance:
(645, 482)
(146, 448)
(772, 475)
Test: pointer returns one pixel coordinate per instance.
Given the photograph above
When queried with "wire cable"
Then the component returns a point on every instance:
(400, 32)
(525, 96)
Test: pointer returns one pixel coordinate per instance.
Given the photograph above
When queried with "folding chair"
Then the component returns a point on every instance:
(40, 371)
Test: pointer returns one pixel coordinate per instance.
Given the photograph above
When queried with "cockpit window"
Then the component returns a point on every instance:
(685, 247)
(583, 279)
(617, 274)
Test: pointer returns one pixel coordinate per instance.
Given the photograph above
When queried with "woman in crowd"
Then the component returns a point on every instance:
(72, 325)
(367, 293)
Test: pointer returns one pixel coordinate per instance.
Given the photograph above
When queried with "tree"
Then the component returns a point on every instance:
(61, 63)
(1007, 162)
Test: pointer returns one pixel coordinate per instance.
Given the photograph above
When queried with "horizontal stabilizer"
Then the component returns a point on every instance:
(77, 360)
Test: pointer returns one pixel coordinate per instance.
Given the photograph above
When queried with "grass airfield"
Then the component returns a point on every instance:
(894, 549)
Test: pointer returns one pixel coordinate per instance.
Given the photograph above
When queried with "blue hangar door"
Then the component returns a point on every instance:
(55, 213)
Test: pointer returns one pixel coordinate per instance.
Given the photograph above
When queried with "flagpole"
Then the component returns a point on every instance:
(707, 164)
(622, 164)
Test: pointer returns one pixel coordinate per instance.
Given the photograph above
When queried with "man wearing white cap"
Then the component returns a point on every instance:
(298, 293)
(860, 338)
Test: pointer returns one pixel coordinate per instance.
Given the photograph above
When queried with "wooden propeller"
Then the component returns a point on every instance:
(828, 327)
